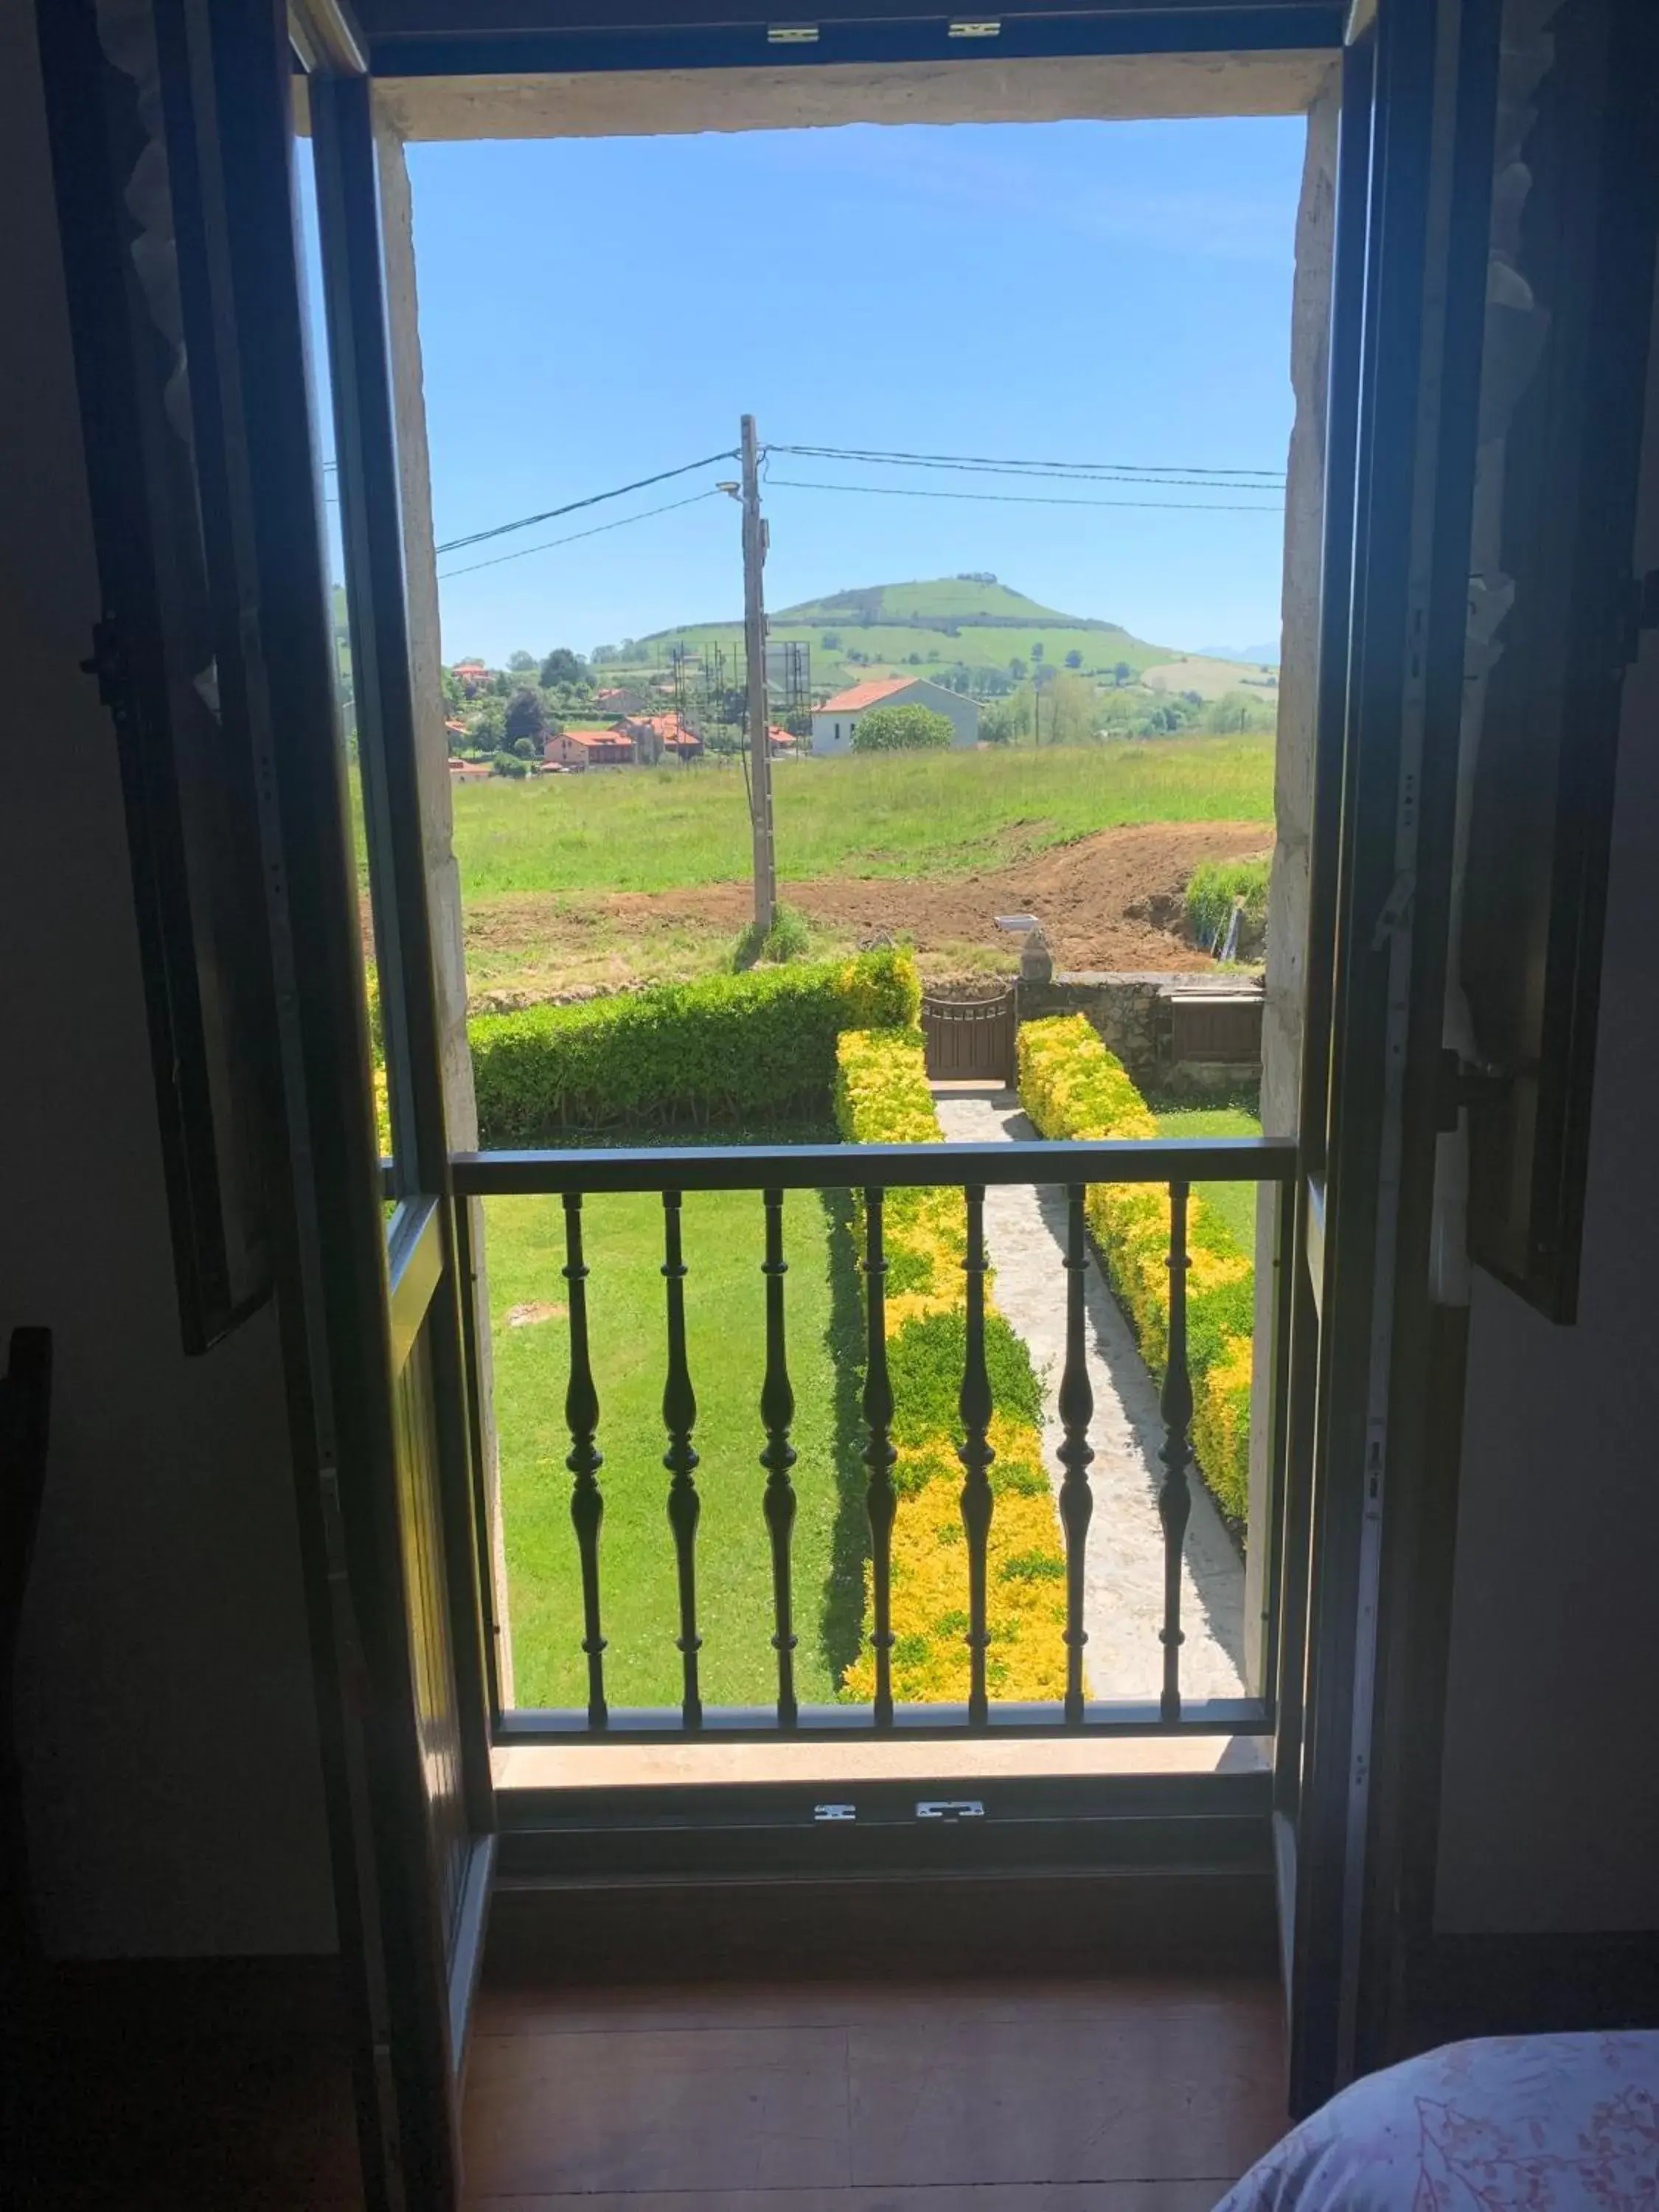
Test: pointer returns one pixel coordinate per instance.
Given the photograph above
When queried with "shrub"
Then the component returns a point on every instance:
(508, 765)
(788, 939)
(901, 730)
(1215, 887)
(1072, 1087)
(730, 1047)
(882, 1098)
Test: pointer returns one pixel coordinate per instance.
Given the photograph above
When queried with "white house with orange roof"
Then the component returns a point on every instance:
(833, 723)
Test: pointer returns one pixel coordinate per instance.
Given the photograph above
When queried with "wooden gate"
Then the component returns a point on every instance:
(972, 1040)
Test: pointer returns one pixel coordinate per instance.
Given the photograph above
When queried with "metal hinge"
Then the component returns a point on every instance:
(835, 1811)
(951, 1808)
(108, 662)
(1461, 1083)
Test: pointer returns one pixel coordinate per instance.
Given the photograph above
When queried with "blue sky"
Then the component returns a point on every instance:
(594, 310)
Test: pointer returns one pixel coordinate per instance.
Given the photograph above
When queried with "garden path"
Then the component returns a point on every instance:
(1123, 1578)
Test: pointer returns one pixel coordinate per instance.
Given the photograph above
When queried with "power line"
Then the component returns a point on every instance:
(1173, 472)
(1032, 499)
(552, 513)
(598, 531)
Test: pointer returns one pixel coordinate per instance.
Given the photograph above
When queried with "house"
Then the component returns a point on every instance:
(585, 748)
(833, 723)
(468, 771)
(272, 1808)
(654, 735)
(472, 676)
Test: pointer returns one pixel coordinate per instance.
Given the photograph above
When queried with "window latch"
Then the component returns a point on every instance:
(951, 1808)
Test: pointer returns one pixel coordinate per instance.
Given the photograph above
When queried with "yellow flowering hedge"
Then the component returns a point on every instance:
(882, 1098)
(1072, 1087)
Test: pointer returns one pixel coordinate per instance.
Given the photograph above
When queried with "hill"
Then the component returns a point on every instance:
(1256, 656)
(934, 627)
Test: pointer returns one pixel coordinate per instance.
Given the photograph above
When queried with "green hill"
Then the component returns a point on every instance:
(933, 627)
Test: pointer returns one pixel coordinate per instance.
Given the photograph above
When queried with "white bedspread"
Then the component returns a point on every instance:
(1525, 2124)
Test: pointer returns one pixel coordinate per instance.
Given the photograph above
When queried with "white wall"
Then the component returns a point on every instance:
(1550, 1817)
(174, 1796)
(920, 691)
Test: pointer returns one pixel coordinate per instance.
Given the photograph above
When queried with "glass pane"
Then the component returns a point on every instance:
(372, 899)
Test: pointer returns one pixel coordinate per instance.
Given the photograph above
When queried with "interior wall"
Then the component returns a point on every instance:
(1550, 1805)
(173, 1790)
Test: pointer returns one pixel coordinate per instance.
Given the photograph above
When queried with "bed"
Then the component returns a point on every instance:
(1520, 2124)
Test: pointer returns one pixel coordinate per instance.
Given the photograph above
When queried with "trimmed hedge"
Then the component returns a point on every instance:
(882, 1098)
(729, 1048)
(1072, 1087)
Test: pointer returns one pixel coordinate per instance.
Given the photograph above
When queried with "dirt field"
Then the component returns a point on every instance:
(1112, 901)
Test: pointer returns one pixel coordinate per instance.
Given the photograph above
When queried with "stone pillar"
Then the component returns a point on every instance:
(1287, 893)
(443, 882)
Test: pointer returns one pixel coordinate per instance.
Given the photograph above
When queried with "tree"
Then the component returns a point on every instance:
(1068, 714)
(521, 660)
(1074, 658)
(998, 725)
(562, 666)
(1036, 648)
(1121, 674)
(526, 717)
(1016, 669)
(489, 730)
(901, 730)
(526, 748)
(832, 640)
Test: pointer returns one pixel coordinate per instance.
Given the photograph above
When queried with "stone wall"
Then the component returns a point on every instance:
(1132, 1011)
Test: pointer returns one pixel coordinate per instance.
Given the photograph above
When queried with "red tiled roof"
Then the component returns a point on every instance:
(597, 737)
(866, 695)
(467, 668)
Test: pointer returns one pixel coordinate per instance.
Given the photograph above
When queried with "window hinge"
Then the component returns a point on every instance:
(951, 1808)
(1466, 1083)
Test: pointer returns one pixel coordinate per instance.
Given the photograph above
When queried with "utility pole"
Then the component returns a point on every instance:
(754, 645)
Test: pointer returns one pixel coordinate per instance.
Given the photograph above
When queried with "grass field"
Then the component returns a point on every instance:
(1234, 1201)
(896, 815)
(725, 1327)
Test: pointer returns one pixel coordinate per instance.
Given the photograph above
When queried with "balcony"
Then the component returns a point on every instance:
(1159, 1707)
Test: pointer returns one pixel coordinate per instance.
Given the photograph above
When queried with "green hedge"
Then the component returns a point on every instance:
(730, 1047)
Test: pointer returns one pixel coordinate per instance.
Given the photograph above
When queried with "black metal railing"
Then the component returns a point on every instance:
(871, 1170)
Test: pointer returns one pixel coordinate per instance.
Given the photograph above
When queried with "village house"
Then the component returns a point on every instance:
(585, 748)
(472, 676)
(833, 723)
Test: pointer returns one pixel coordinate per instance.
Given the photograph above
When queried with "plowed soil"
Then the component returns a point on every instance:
(1112, 901)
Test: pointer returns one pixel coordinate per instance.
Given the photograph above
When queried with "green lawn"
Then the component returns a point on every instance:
(1234, 1201)
(726, 1348)
(894, 815)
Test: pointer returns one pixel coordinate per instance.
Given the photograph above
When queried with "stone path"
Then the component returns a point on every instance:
(1123, 1586)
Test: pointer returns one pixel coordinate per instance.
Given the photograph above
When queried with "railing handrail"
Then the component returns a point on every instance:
(874, 1167)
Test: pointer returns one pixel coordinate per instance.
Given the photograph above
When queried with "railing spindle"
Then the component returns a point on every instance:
(973, 1404)
(880, 1455)
(1174, 1497)
(1076, 1406)
(777, 1410)
(679, 1417)
(581, 1415)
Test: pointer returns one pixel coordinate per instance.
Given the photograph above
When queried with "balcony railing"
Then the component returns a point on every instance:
(871, 1171)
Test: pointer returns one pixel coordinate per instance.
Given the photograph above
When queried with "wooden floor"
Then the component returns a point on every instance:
(1149, 2093)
